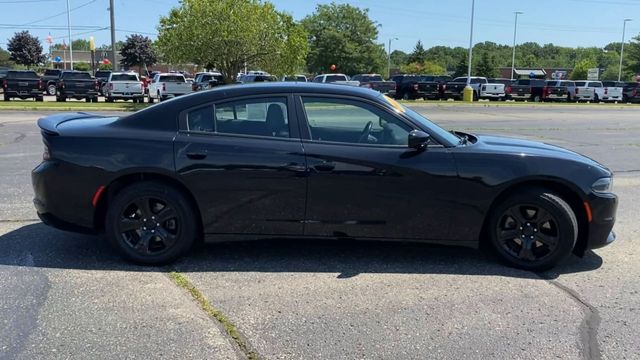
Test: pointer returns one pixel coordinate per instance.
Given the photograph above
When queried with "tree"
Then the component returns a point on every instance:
(226, 34)
(398, 58)
(426, 67)
(138, 51)
(486, 66)
(632, 55)
(25, 49)
(343, 35)
(419, 54)
(78, 44)
(82, 66)
(461, 67)
(581, 69)
(5, 58)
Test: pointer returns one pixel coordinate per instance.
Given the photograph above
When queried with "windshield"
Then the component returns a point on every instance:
(424, 122)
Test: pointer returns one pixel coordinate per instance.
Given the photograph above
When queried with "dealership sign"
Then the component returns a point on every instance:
(593, 74)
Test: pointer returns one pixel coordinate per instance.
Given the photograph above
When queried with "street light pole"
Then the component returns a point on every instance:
(69, 33)
(389, 59)
(513, 55)
(624, 28)
(467, 94)
(113, 36)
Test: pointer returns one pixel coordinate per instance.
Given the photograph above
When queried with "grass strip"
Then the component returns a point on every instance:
(204, 304)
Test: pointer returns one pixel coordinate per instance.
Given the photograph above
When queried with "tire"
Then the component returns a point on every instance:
(61, 99)
(39, 99)
(94, 100)
(142, 244)
(7, 97)
(513, 225)
(51, 89)
(625, 99)
(108, 99)
(406, 96)
(150, 100)
(536, 98)
(596, 98)
(87, 100)
(476, 97)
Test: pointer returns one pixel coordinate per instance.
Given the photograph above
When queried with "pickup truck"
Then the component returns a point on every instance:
(588, 90)
(50, 79)
(482, 89)
(559, 90)
(527, 89)
(340, 79)
(124, 86)
(168, 85)
(3, 74)
(435, 82)
(102, 76)
(612, 91)
(207, 80)
(411, 87)
(631, 92)
(77, 85)
(375, 82)
(22, 84)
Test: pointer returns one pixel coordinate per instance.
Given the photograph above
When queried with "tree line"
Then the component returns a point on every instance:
(230, 35)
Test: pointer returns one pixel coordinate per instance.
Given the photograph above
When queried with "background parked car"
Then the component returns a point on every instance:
(207, 80)
(124, 86)
(3, 74)
(298, 78)
(409, 87)
(482, 89)
(375, 82)
(559, 90)
(77, 85)
(340, 79)
(23, 84)
(588, 90)
(527, 89)
(612, 91)
(437, 86)
(50, 79)
(631, 92)
(102, 76)
(168, 85)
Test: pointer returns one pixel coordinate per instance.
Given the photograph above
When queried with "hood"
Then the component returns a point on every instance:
(535, 149)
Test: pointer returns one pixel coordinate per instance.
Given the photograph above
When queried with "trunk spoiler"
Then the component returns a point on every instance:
(49, 124)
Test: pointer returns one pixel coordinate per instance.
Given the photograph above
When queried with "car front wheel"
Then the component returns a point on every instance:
(151, 223)
(533, 230)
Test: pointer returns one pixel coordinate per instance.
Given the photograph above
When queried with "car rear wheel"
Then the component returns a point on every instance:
(7, 97)
(150, 100)
(533, 230)
(151, 223)
(51, 89)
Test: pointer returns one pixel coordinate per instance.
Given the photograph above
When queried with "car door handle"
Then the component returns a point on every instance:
(295, 167)
(325, 166)
(197, 155)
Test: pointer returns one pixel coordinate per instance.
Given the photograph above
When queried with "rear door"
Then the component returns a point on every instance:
(364, 181)
(244, 162)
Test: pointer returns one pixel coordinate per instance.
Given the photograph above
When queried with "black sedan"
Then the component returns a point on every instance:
(314, 161)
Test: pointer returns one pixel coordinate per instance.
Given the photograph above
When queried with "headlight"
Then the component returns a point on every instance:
(603, 185)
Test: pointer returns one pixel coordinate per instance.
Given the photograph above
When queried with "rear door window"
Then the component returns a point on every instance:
(256, 117)
(76, 76)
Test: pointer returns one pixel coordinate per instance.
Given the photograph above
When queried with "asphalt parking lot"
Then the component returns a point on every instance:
(66, 295)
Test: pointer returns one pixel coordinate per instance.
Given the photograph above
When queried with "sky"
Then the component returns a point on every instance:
(435, 22)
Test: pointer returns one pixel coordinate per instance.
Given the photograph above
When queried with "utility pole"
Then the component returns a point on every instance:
(69, 33)
(624, 28)
(389, 59)
(113, 36)
(467, 94)
(513, 55)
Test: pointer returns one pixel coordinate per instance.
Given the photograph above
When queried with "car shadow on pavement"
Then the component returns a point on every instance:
(37, 245)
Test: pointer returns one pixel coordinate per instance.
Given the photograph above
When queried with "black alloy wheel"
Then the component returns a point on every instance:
(534, 230)
(151, 223)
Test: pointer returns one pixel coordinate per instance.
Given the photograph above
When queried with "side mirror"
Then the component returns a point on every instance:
(419, 139)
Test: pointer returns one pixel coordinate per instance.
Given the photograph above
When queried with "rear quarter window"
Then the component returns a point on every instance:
(76, 76)
(172, 78)
(22, 75)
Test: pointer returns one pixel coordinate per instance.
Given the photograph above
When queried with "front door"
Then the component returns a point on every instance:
(364, 181)
(245, 167)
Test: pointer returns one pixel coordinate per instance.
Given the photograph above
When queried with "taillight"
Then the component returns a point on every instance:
(606, 91)
(110, 86)
(194, 87)
(634, 93)
(40, 84)
(62, 84)
(97, 85)
(164, 86)
(508, 90)
(415, 87)
(370, 86)
(545, 91)
(577, 90)
(397, 87)
(444, 87)
(141, 85)
(4, 83)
